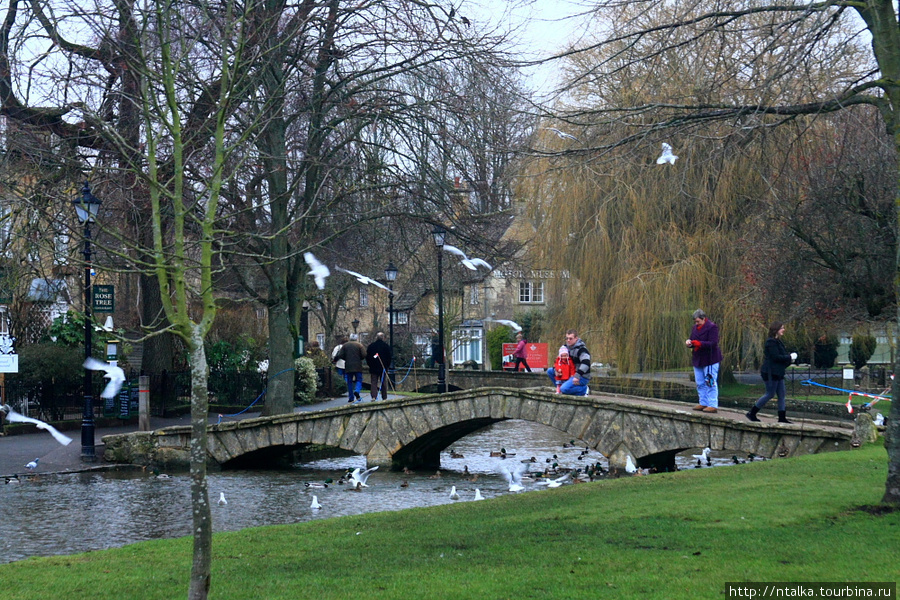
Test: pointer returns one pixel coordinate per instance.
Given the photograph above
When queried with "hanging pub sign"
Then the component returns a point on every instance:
(104, 298)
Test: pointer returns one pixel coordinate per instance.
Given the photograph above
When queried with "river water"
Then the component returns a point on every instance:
(46, 515)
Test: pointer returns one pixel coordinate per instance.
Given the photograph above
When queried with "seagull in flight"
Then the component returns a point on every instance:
(666, 156)
(469, 263)
(115, 375)
(515, 326)
(703, 455)
(315, 504)
(15, 417)
(365, 280)
(562, 134)
(555, 483)
(514, 479)
(358, 479)
(319, 271)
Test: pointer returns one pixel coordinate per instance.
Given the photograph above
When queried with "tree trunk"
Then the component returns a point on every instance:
(280, 385)
(202, 516)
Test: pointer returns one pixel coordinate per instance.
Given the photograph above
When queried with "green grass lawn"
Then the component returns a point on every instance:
(679, 535)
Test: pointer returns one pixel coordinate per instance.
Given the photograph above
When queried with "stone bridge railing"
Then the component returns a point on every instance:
(413, 431)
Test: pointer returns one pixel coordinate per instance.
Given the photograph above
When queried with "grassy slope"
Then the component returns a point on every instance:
(680, 535)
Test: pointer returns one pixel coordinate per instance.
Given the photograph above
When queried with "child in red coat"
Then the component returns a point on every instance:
(563, 368)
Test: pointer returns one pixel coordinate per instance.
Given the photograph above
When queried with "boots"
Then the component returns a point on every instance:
(781, 416)
(752, 414)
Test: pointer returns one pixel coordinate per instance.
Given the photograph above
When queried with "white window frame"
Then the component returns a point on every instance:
(531, 292)
(467, 345)
(363, 296)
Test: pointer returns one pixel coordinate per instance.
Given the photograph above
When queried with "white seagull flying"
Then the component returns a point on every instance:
(470, 263)
(15, 417)
(555, 483)
(666, 156)
(319, 271)
(358, 478)
(516, 327)
(115, 375)
(364, 280)
(514, 479)
(562, 134)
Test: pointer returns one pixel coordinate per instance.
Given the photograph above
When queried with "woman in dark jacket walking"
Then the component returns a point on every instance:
(775, 362)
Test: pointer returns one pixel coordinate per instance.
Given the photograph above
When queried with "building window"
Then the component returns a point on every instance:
(320, 337)
(423, 344)
(473, 295)
(467, 345)
(531, 292)
(363, 296)
(401, 318)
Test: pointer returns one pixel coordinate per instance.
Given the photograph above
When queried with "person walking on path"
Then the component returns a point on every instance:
(776, 359)
(521, 352)
(706, 356)
(353, 354)
(378, 357)
(577, 384)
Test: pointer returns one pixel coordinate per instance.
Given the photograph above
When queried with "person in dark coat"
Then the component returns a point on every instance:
(378, 357)
(776, 359)
(353, 354)
(706, 356)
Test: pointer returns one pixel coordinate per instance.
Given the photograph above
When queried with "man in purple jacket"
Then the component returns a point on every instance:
(706, 356)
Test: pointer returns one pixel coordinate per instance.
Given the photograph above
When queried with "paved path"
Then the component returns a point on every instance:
(17, 450)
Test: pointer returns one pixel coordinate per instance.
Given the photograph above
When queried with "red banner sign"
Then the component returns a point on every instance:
(535, 355)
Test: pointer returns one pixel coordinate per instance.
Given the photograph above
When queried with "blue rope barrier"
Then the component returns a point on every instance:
(258, 398)
(816, 383)
(411, 363)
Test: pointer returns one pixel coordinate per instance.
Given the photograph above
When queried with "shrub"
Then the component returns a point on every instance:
(495, 339)
(826, 351)
(861, 349)
(306, 380)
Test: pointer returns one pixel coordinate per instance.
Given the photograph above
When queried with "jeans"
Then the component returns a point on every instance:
(569, 387)
(350, 378)
(709, 394)
(773, 388)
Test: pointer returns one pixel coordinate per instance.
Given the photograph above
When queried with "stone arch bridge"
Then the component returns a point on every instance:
(413, 431)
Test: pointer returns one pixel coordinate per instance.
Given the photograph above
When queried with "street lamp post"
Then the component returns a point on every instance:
(86, 207)
(355, 323)
(439, 234)
(390, 274)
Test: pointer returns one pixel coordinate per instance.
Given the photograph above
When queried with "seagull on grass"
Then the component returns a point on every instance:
(666, 156)
(470, 263)
(15, 417)
(319, 271)
(115, 375)
(365, 280)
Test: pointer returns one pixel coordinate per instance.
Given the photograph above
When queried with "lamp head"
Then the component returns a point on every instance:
(439, 234)
(87, 205)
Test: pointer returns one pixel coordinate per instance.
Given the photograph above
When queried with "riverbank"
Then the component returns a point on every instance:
(679, 535)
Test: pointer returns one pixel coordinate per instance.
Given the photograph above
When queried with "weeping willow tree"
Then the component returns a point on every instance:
(648, 243)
